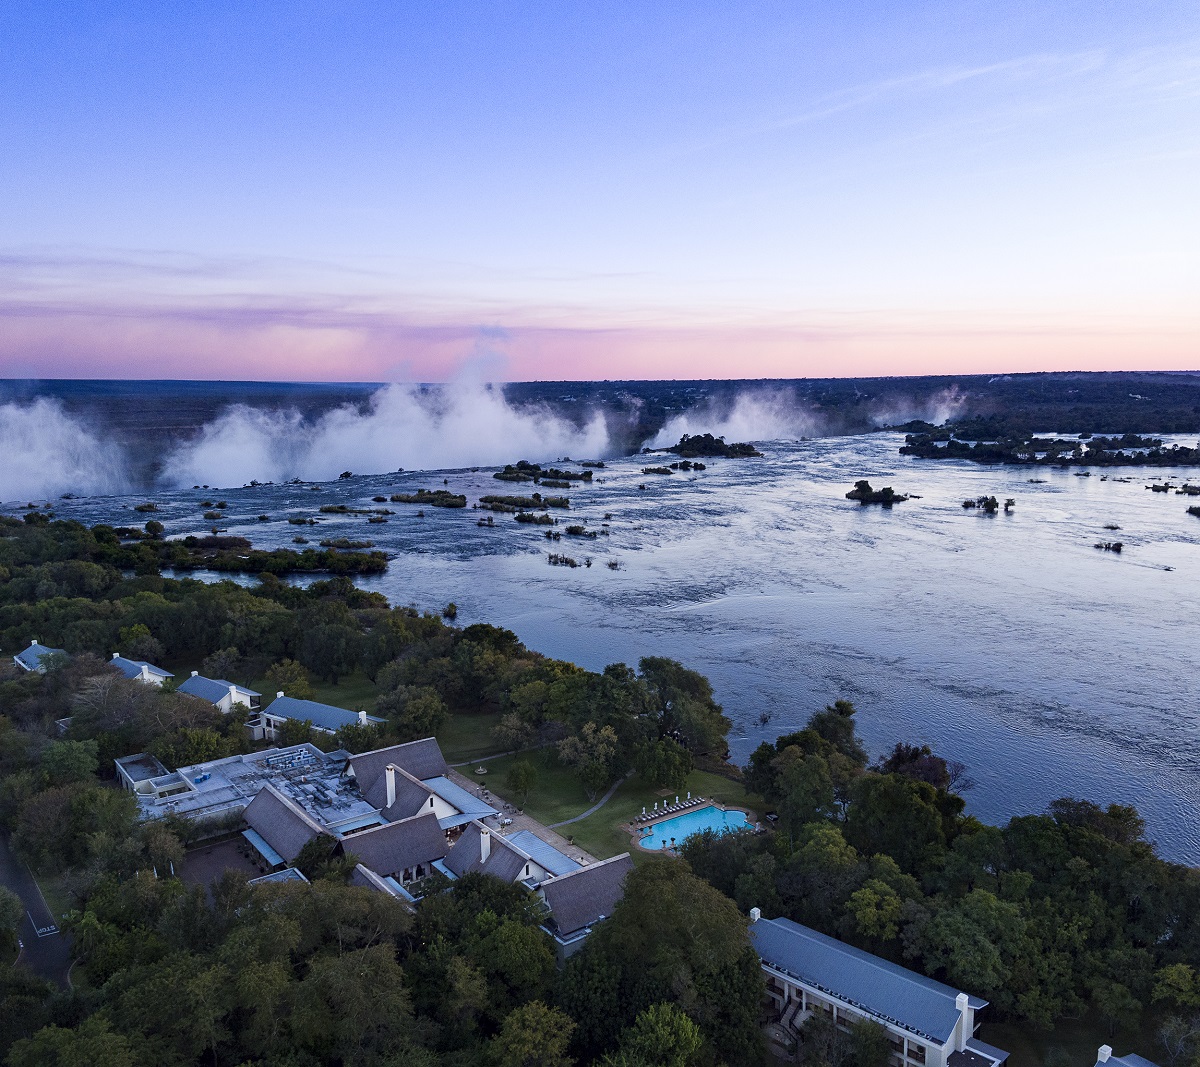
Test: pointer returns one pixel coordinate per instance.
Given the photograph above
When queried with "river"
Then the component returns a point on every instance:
(1007, 642)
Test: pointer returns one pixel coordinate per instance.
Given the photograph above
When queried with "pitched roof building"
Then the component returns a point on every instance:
(31, 658)
(1105, 1058)
(422, 759)
(929, 1023)
(404, 850)
(324, 717)
(579, 899)
(139, 670)
(220, 693)
(281, 825)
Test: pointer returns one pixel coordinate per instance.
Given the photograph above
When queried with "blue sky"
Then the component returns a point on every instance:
(365, 190)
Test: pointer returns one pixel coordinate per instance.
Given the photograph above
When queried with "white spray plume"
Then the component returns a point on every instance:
(46, 452)
(463, 425)
(939, 408)
(753, 416)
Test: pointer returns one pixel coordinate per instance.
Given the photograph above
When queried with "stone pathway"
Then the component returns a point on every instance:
(521, 821)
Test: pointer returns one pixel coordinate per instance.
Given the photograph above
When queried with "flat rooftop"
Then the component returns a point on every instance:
(304, 774)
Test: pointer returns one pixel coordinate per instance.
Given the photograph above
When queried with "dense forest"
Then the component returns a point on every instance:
(1050, 917)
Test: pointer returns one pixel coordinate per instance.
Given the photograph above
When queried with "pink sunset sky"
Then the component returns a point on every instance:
(366, 193)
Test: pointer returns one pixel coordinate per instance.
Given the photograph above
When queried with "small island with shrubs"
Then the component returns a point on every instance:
(706, 446)
(864, 494)
(524, 471)
(436, 498)
(981, 441)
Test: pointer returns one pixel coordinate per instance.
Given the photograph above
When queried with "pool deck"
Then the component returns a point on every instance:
(653, 818)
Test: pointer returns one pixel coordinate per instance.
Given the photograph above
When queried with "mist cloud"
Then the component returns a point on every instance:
(404, 426)
(47, 452)
(939, 408)
(753, 416)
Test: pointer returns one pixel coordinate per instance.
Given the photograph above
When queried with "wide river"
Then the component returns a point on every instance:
(1008, 641)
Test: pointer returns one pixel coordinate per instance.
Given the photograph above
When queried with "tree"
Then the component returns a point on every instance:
(225, 663)
(521, 779)
(70, 761)
(836, 725)
(663, 1035)
(138, 643)
(805, 789)
(330, 651)
(12, 911)
(288, 676)
(899, 818)
(665, 763)
(1179, 985)
(412, 711)
(512, 732)
(533, 1036)
(185, 747)
(92, 1042)
(875, 909)
(590, 752)
(682, 700)
(672, 934)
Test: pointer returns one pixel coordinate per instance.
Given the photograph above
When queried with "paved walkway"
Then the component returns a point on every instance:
(518, 820)
(595, 807)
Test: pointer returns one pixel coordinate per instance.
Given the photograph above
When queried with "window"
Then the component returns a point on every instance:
(916, 1053)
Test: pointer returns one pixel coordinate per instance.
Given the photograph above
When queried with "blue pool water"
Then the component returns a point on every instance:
(711, 818)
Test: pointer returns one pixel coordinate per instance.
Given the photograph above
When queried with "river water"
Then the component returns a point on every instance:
(1008, 641)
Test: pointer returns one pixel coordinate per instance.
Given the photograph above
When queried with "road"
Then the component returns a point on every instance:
(46, 951)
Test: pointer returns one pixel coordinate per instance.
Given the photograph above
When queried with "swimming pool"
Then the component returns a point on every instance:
(658, 836)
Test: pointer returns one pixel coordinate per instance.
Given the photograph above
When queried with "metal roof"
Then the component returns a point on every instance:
(1130, 1059)
(875, 985)
(542, 852)
(459, 797)
(214, 690)
(31, 658)
(323, 716)
(263, 849)
(288, 874)
(132, 668)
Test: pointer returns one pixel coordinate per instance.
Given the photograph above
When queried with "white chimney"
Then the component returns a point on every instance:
(279, 694)
(145, 673)
(390, 774)
(362, 718)
(232, 695)
(485, 845)
(755, 914)
(34, 641)
(116, 655)
(967, 1030)
(195, 673)
(1104, 1053)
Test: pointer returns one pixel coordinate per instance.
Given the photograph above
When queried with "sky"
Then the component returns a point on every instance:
(551, 189)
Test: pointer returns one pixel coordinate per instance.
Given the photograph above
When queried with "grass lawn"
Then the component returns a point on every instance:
(354, 692)
(468, 736)
(58, 899)
(558, 795)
